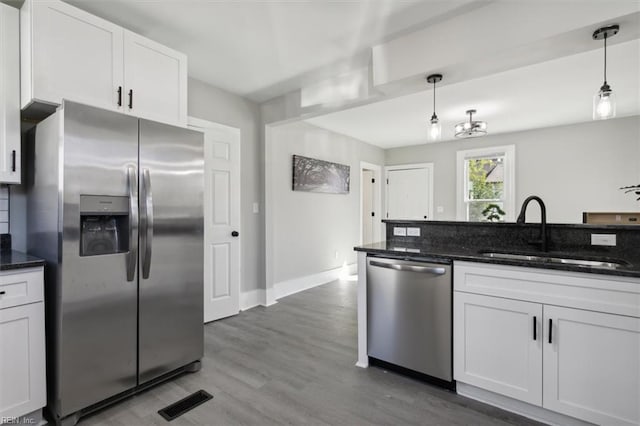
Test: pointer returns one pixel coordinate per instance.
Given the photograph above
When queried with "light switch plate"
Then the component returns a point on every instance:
(413, 232)
(256, 208)
(399, 232)
(603, 239)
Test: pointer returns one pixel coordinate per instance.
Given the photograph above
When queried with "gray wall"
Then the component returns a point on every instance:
(308, 228)
(574, 168)
(213, 104)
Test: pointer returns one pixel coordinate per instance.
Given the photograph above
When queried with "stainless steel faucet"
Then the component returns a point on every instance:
(543, 222)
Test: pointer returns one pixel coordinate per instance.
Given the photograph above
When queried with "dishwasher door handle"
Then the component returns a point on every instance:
(410, 268)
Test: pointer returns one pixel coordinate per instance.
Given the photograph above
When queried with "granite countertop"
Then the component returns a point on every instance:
(11, 259)
(460, 252)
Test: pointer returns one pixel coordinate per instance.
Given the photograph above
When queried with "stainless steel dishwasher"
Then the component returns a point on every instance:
(409, 315)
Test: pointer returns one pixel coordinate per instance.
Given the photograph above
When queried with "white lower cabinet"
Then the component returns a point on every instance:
(592, 366)
(576, 362)
(22, 353)
(495, 346)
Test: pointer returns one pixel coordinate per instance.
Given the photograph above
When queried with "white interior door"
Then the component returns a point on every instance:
(367, 207)
(222, 220)
(409, 193)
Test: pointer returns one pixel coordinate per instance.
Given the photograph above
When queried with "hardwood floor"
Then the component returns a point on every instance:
(293, 363)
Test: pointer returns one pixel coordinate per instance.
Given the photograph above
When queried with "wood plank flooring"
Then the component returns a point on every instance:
(293, 363)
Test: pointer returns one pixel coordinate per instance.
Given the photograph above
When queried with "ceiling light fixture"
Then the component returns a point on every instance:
(435, 128)
(471, 128)
(604, 102)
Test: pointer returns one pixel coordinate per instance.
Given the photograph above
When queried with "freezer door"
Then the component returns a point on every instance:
(96, 313)
(171, 328)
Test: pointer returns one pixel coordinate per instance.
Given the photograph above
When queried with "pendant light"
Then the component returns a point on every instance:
(472, 128)
(435, 128)
(604, 102)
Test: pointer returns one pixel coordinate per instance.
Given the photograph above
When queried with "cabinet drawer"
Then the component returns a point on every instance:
(593, 292)
(20, 287)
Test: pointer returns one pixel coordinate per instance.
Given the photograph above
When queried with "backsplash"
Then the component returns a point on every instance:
(512, 236)
(4, 209)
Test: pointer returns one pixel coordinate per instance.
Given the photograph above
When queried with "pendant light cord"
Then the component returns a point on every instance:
(605, 58)
(434, 97)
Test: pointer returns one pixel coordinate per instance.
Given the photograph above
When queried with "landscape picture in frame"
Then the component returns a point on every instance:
(312, 175)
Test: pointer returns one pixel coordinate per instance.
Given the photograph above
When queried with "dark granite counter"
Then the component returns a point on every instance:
(11, 259)
(422, 251)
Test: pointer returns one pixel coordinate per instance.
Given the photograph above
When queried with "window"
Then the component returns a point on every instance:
(486, 184)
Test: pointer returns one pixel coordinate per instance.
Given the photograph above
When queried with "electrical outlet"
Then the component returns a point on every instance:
(603, 239)
(399, 232)
(256, 208)
(440, 209)
(336, 254)
(413, 232)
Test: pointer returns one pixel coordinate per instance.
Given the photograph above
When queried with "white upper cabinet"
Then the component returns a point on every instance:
(156, 80)
(68, 53)
(9, 95)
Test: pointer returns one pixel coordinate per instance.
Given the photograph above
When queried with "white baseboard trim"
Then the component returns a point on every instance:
(289, 287)
(252, 298)
(524, 409)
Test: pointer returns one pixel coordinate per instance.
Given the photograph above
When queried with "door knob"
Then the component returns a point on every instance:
(235, 233)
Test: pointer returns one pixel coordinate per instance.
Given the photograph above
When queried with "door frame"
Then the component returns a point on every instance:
(201, 125)
(428, 166)
(377, 199)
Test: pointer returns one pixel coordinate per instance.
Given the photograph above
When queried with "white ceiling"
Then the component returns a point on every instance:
(261, 49)
(546, 94)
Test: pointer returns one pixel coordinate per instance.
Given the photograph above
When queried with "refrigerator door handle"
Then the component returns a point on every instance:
(147, 236)
(132, 255)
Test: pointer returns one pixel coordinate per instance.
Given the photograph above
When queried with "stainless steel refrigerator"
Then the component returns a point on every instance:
(115, 206)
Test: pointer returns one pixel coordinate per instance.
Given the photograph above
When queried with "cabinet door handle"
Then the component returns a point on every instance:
(130, 98)
(2, 293)
(535, 328)
(550, 330)
(13, 160)
(119, 95)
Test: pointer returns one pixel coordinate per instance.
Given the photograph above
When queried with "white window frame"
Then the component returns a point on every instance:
(509, 153)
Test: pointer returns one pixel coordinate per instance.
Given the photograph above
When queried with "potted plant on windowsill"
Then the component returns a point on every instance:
(632, 188)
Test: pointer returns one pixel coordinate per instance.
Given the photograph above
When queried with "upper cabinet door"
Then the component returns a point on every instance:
(155, 79)
(69, 54)
(9, 95)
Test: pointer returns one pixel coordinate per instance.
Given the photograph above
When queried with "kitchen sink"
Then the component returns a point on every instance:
(590, 263)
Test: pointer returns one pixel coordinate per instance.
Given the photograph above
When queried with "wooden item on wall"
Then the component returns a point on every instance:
(312, 175)
(609, 218)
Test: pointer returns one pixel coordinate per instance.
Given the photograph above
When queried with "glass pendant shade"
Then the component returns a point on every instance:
(604, 104)
(435, 129)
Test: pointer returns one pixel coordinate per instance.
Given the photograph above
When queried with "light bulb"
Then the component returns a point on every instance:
(604, 104)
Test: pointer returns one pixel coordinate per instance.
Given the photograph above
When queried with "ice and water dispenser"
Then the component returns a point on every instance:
(104, 225)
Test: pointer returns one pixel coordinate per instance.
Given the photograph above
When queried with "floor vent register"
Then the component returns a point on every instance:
(177, 409)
